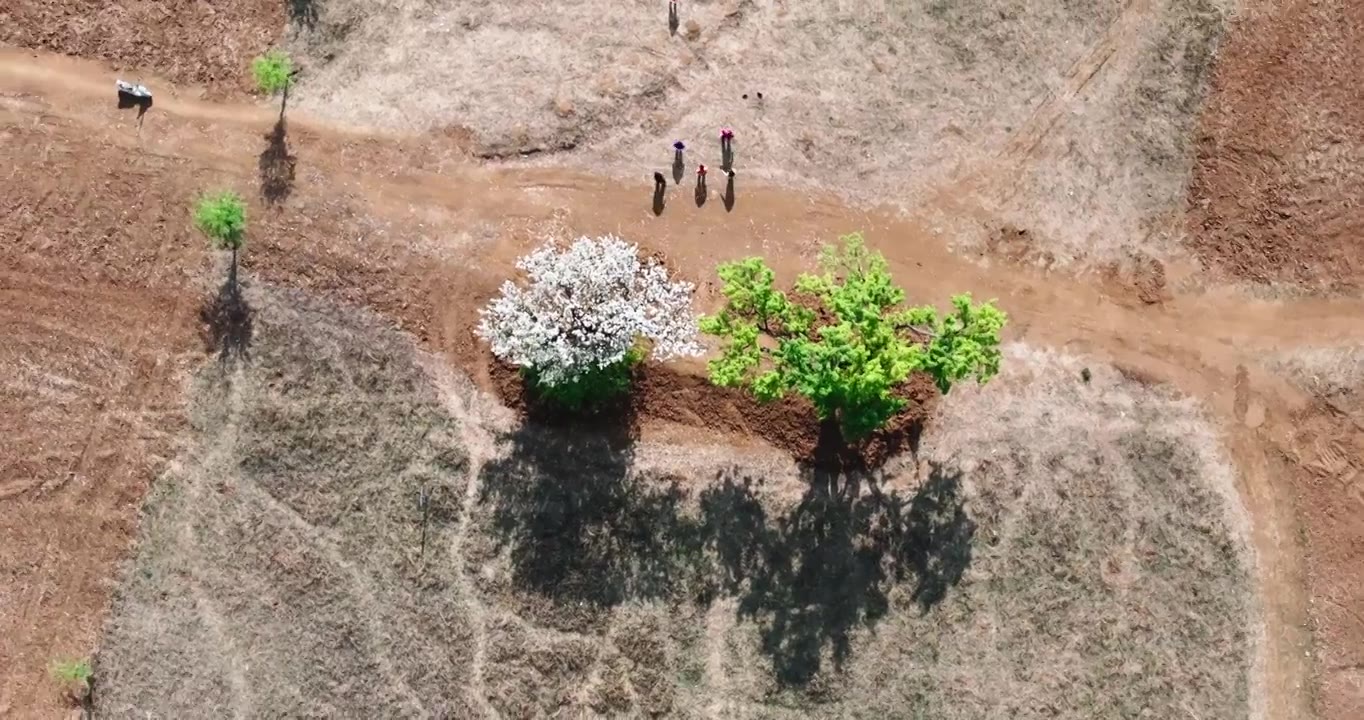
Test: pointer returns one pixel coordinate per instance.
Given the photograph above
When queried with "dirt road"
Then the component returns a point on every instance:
(415, 229)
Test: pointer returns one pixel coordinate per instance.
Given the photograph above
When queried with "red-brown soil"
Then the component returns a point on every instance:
(662, 393)
(90, 413)
(1280, 168)
(1327, 453)
(1275, 198)
(203, 42)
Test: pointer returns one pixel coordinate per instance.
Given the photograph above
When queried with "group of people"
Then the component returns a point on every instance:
(726, 162)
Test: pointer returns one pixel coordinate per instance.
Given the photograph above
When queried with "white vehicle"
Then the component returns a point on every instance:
(131, 91)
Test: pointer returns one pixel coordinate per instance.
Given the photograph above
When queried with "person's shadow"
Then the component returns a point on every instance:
(658, 197)
(729, 193)
(673, 20)
(678, 167)
(700, 190)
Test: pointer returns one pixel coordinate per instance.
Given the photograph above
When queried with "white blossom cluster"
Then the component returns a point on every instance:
(585, 307)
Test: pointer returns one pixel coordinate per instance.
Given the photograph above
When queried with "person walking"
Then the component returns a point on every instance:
(726, 148)
(679, 167)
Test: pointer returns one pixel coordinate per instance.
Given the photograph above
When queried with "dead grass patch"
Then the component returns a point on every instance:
(1335, 374)
(1107, 176)
(283, 568)
(1072, 119)
(1067, 550)
(1063, 549)
(1113, 573)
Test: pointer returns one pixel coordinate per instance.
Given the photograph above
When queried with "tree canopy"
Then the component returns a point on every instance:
(221, 216)
(272, 71)
(585, 314)
(844, 338)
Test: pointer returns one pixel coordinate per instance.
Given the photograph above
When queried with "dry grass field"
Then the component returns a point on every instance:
(1154, 511)
(1071, 119)
(284, 568)
(352, 534)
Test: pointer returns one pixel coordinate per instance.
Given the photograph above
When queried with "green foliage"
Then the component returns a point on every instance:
(590, 388)
(71, 671)
(962, 344)
(222, 217)
(272, 71)
(848, 342)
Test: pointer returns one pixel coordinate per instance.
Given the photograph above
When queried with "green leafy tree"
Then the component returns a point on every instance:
(274, 72)
(844, 339)
(221, 216)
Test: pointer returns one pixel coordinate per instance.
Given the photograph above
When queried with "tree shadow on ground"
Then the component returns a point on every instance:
(276, 165)
(937, 541)
(817, 572)
(582, 526)
(226, 320)
(303, 13)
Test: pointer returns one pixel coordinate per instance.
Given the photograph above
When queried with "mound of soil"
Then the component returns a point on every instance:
(663, 393)
(194, 41)
(1279, 156)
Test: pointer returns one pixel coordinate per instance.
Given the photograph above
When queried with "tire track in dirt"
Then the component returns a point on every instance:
(1325, 449)
(471, 415)
(1116, 39)
(356, 580)
(359, 588)
(218, 456)
(719, 619)
(213, 621)
(1000, 173)
(478, 614)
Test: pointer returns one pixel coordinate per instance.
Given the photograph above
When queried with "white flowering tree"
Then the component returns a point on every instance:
(585, 314)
